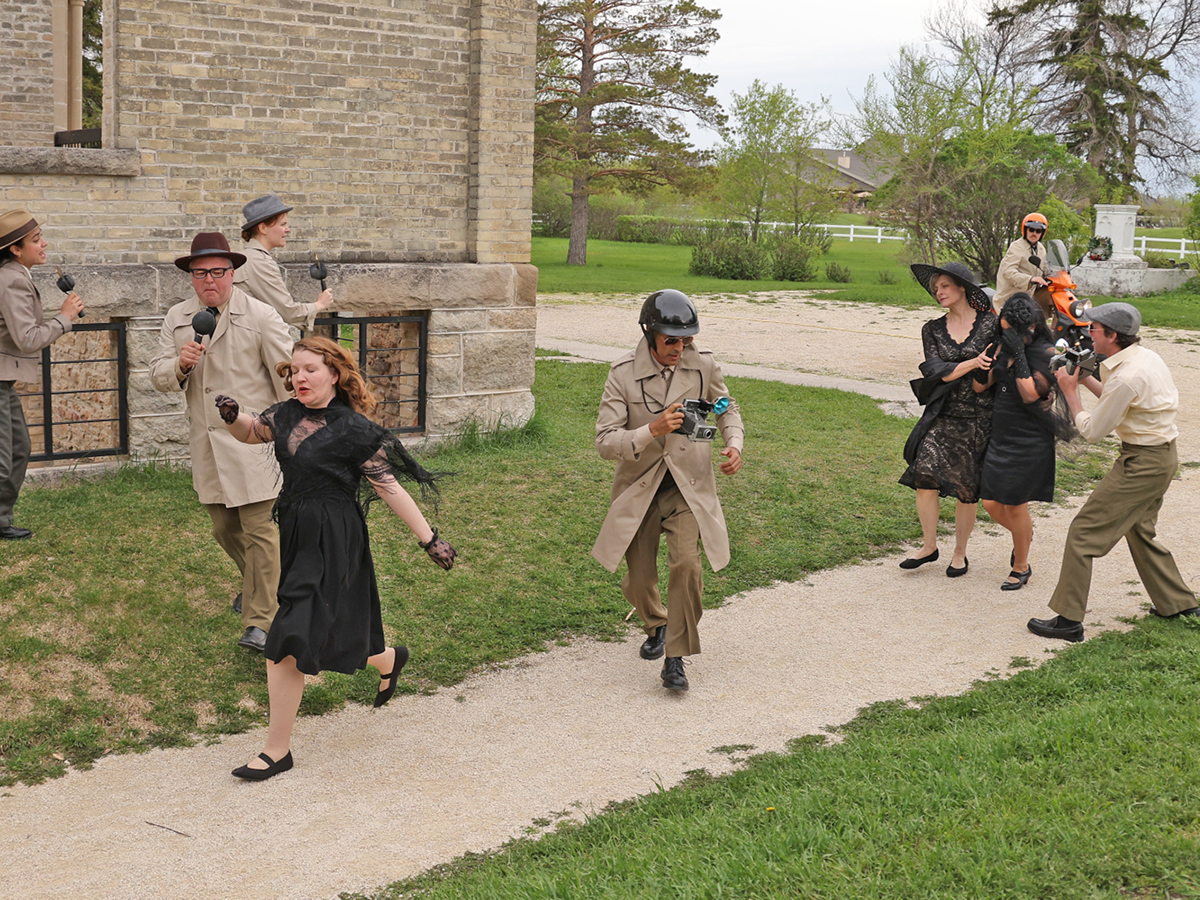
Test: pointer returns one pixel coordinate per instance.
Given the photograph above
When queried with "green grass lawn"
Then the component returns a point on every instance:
(639, 269)
(616, 267)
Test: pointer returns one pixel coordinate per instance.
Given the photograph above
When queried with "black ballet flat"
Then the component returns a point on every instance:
(916, 563)
(1022, 579)
(273, 768)
(386, 694)
(952, 572)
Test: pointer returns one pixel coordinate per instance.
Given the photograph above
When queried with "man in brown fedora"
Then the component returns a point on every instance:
(23, 335)
(236, 482)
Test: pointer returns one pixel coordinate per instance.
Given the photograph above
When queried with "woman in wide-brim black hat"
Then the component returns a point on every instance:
(945, 450)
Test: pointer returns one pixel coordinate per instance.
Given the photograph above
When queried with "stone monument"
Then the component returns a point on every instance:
(1124, 273)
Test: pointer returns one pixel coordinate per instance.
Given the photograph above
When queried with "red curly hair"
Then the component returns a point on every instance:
(351, 387)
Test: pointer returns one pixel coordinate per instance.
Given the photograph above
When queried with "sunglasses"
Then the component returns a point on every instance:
(1035, 228)
(672, 341)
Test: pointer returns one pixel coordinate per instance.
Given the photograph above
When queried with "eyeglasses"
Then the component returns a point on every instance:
(201, 274)
(672, 341)
(1038, 228)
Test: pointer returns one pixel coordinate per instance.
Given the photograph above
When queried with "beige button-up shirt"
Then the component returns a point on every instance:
(1138, 400)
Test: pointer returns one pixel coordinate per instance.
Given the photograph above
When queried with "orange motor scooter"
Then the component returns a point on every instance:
(1065, 307)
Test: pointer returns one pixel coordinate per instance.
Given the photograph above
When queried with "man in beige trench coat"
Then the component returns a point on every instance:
(236, 482)
(665, 482)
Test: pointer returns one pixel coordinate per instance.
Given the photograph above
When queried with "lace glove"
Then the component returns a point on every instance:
(439, 550)
(228, 408)
(1016, 348)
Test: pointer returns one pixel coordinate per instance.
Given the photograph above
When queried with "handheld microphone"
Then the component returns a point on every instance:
(203, 322)
(318, 271)
(65, 283)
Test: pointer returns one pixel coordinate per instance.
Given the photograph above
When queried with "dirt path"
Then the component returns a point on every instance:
(378, 796)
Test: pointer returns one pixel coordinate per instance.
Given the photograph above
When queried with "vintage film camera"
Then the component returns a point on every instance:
(695, 418)
(1076, 358)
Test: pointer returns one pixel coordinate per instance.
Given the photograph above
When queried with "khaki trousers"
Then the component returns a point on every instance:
(251, 539)
(14, 449)
(1124, 505)
(668, 513)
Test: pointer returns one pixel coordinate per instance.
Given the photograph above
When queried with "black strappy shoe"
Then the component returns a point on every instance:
(386, 694)
(273, 768)
(1022, 578)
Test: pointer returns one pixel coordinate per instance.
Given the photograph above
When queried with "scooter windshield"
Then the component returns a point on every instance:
(1056, 257)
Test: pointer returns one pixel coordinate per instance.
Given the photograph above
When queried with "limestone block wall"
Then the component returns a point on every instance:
(402, 130)
(481, 326)
(27, 73)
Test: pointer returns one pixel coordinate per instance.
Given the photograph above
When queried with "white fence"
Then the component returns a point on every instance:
(1141, 243)
(1166, 245)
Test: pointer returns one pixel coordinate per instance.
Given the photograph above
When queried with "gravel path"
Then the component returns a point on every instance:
(380, 795)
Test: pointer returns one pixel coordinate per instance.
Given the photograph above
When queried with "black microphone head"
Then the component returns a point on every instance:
(204, 322)
(318, 271)
(66, 284)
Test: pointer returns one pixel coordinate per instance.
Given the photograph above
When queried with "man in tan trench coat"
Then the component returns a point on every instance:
(664, 482)
(236, 482)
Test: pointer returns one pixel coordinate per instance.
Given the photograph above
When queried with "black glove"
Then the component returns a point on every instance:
(1016, 348)
(439, 551)
(228, 408)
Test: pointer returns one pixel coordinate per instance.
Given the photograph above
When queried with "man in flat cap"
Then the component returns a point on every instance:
(1139, 401)
(23, 335)
(236, 482)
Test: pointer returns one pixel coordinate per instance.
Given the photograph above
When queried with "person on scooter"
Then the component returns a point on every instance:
(1024, 267)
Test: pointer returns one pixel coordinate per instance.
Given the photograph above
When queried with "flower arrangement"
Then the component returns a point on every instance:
(1099, 248)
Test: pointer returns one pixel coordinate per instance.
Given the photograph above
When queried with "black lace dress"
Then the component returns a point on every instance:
(949, 454)
(1019, 464)
(329, 616)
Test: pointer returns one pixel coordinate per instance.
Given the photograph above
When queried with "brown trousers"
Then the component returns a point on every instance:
(1125, 504)
(250, 538)
(668, 513)
(14, 449)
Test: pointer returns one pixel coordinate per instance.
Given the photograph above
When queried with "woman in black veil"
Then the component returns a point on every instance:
(1019, 464)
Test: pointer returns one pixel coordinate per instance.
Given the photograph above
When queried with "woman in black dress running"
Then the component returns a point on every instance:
(329, 615)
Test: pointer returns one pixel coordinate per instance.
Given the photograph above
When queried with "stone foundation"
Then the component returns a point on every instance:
(479, 354)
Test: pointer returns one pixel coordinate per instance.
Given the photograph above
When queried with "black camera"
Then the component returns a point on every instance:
(695, 418)
(1076, 359)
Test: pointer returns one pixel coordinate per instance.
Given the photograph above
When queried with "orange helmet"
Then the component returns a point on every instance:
(1034, 217)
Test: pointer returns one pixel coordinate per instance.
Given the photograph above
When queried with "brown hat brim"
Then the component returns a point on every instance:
(976, 296)
(7, 240)
(184, 263)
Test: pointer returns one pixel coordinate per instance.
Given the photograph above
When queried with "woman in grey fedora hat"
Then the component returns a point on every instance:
(266, 229)
(945, 450)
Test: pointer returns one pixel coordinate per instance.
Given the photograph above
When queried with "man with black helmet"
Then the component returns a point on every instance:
(664, 482)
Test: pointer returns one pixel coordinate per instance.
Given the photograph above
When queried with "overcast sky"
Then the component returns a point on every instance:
(815, 49)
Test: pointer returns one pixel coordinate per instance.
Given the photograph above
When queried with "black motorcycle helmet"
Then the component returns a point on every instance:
(670, 313)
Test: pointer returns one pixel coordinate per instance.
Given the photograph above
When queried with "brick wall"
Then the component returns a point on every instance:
(26, 74)
(400, 129)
